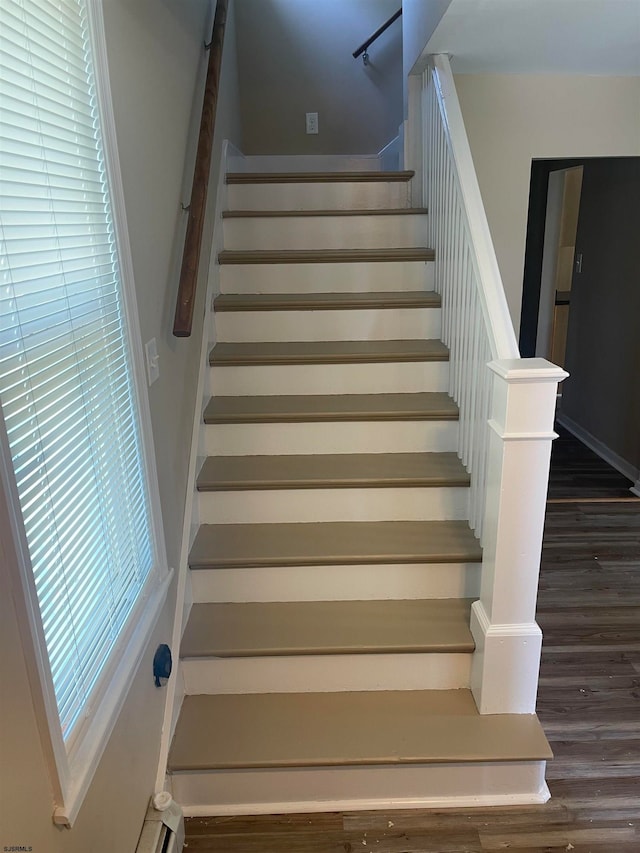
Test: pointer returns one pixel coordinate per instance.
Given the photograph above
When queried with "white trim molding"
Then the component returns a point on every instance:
(501, 649)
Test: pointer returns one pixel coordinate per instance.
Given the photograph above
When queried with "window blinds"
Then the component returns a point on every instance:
(65, 381)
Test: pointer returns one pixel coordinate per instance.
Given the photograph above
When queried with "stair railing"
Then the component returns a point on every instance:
(364, 47)
(506, 403)
(196, 208)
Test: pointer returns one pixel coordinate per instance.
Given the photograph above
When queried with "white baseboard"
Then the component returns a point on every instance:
(622, 465)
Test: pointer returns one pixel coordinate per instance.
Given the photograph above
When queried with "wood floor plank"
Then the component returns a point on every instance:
(559, 838)
(577, 473)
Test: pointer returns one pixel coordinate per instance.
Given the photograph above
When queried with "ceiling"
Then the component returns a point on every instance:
(600, 37)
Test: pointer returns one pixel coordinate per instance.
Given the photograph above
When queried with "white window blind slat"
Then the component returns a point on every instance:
(44, 40)
(16, 226)
(27, 145)
(25, 189)
(57, 19)
(64, 359)
(65, 377)
(51, 108)
(84, 184)
(48, 287)
(71, 136)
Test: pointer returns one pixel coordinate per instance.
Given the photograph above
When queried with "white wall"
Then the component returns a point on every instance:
(295, 56)
(419, 20)
(514, 118)
(155, 52)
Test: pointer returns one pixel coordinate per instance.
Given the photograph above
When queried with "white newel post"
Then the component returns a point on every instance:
(504, 676)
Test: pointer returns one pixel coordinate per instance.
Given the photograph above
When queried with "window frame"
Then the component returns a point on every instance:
(73, 764)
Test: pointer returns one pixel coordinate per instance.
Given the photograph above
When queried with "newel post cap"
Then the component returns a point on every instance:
(527, 370)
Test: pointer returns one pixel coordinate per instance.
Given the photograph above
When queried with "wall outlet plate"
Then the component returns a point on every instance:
(312, 122)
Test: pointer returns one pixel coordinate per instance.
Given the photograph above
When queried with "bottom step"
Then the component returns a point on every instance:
(262, 753)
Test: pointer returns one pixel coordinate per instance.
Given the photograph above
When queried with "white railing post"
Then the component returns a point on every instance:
(504, 674)
(507, 407)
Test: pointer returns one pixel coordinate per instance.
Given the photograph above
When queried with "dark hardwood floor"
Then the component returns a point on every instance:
(589, 704)
(577, 473)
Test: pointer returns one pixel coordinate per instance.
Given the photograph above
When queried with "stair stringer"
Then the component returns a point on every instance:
(229, 156)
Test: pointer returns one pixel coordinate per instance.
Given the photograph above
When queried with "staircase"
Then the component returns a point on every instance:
(327, 656)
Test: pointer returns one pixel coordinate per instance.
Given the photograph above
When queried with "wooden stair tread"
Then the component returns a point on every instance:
(339, 470)
(316, 256)
(333, 543)
(341, 729)
(298, 408)
(317, 177)
(327, 352)
(388, 211)
(354, 300)
(327, 628)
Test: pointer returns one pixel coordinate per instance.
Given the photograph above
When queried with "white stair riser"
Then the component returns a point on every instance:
(373, 324)
(370, 582)
(327, 673)
(263, 439)
(326, 232)
(301, 505)
(358, 277)
(306, 163)
(320, 789)
(321, 196)
(370, 378)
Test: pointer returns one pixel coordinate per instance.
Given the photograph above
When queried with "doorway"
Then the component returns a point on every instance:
(558, 262)
(590, 325)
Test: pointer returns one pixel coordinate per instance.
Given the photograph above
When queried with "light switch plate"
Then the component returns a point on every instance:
(153, 359)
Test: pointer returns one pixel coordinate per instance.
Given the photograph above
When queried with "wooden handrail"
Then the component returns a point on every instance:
(365, 44)
(193, 240)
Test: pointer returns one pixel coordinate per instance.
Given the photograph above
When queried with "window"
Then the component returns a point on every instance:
(71, 411)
